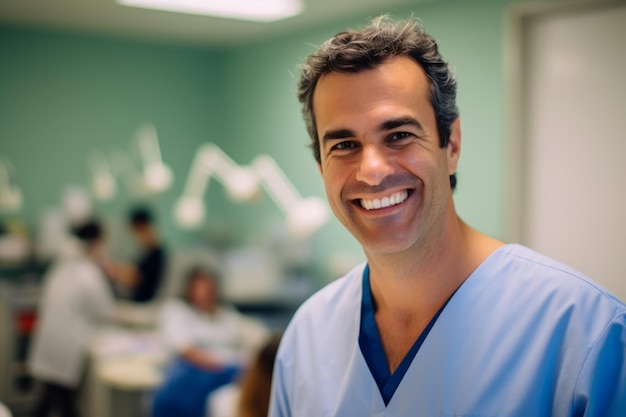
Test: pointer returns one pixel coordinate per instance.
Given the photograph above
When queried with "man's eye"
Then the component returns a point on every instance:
(344, 145)
(399, 136)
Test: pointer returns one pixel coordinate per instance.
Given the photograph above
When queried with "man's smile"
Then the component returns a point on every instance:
(384, 202)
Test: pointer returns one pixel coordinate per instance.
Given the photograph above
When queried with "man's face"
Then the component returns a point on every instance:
(386, 178)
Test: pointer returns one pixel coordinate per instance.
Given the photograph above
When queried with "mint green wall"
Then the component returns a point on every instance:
(62, 95)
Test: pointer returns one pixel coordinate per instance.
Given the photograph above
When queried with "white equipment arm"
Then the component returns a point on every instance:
(157, 175)
(240, 183)
(304, 216)
(102, 179)
(10, 193)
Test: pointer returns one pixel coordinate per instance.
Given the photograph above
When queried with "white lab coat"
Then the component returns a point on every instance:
(75, 301)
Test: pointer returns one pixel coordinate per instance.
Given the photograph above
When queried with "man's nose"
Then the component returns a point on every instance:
(374, 165)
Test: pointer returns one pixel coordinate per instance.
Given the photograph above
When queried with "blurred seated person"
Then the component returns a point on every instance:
(142, 280)
(76, 301)
(249, 396)
(212, 344)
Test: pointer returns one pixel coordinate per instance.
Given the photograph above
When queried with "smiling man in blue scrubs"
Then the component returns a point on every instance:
(441, 320)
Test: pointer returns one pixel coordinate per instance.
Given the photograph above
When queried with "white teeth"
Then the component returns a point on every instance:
(391, 200)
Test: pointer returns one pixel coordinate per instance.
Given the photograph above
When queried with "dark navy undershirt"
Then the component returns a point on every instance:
(372, 347)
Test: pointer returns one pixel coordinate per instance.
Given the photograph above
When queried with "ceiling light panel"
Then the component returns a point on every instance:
(255, 10)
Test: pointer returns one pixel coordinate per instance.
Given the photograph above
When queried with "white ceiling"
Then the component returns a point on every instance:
(105, 17)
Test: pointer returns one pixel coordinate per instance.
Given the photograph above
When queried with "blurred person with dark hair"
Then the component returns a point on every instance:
(75, 301)
(142, 279)
(249, 396)
(256, 384)
(212, 344)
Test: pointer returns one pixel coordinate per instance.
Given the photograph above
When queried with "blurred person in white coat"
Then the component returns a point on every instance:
(76, 300)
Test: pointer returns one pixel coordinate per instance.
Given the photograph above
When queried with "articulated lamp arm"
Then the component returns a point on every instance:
(102, 180)
(10, 194)
(304, 216)
(210, 161)
(152, 177)
(157, 176)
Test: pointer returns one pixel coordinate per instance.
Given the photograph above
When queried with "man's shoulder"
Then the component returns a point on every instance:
(331, 314)
(341, 296)
(344, 287)
(544, 277)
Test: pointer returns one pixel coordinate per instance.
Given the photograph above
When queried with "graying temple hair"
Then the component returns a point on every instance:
(381, 40)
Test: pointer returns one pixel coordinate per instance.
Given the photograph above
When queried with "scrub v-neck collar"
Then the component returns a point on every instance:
(371, 344)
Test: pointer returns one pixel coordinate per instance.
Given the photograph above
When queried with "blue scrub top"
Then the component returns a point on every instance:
(523, 336)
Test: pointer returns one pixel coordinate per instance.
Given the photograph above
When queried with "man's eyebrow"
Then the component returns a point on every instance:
(337, 134)
(386, 125)
(405, 121)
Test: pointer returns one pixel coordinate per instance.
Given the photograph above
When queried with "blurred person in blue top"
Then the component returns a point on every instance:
(76, 301)
(441, 320)
(212, 345)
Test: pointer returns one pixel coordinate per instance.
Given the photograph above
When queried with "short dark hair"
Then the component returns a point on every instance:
(383, 39)
(88, 231)
(140, 216)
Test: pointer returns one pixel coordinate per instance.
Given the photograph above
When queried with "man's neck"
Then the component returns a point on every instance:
(420, 280)
(409, 289)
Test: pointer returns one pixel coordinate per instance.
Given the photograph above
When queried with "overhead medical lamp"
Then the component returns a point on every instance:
(304, 216)
(210, 161)
(125, 169)
(103, 182)
(10, 194)
(157, 176)
(151, 177)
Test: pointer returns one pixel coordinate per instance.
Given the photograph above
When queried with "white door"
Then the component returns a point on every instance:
(574, 174)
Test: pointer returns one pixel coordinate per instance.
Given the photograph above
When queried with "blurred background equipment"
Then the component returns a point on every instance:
(103, 182)
(157, 176)
(19, 296)
(210, 161)
(10, 193)
(303, 216)
(144, 176)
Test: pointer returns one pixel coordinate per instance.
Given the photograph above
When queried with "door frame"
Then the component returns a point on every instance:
(517, 157)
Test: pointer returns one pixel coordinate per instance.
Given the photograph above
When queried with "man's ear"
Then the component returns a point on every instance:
(453, 150)
(319, 168)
